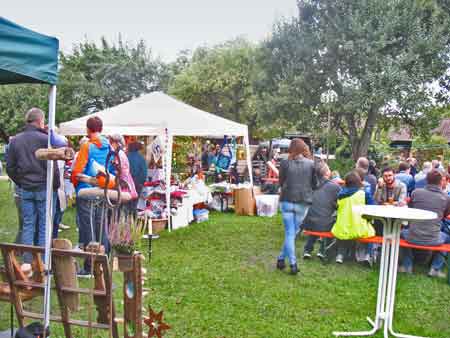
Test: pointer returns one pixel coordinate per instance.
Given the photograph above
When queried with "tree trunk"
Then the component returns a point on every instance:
(360, 143)
(4, 136)
(360, 147)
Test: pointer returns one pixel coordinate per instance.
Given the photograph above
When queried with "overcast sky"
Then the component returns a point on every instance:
(168, 26)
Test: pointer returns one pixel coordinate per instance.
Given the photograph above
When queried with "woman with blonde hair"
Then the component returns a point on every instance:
(297, 180)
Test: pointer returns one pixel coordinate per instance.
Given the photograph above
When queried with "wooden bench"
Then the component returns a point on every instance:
(379, 240)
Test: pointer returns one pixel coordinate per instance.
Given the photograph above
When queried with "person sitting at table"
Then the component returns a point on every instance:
(350, 225)
(390, 190)
(428, 233)
(322, 214)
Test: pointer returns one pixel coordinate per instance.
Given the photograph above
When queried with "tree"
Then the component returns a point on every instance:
(378, 58)
(91, 78)
(116, 72)
(219, 80)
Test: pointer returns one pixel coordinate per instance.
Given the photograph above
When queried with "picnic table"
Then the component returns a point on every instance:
(392, 218)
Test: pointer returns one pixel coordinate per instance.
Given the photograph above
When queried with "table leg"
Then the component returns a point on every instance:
(393, 269)
(382, 283)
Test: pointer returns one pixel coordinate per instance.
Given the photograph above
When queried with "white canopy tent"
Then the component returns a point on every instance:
(160, 114)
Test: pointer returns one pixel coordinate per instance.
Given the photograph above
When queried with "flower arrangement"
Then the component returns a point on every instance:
(125, 234)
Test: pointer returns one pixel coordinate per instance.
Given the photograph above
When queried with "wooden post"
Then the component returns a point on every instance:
(65, 273)
(132, 295)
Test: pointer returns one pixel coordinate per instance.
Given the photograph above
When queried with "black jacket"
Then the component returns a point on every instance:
(23, 167)
(297, 180)
(322, 213)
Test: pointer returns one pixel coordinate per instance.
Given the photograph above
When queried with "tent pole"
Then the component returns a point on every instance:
(168, 174)
(248, 155)
(49, 211)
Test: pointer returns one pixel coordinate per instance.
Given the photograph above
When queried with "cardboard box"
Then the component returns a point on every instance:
(244, 201)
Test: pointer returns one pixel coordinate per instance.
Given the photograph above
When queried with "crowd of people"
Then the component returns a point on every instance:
(313, 198)
(93, 160)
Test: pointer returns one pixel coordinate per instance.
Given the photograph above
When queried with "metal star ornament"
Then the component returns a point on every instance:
(155, 323)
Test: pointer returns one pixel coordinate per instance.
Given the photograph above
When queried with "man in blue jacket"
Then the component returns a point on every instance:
(405, 177)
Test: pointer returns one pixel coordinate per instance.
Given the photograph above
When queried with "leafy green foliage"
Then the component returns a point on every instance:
(91, 78)
(219, 80)
(376, 57)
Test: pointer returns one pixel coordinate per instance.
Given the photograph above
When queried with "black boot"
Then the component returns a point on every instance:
(281, 264)
(294, 269)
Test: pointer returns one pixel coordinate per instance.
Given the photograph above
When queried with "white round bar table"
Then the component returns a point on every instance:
(392, 218)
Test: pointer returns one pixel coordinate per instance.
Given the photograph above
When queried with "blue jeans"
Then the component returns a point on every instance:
(85, 209)
(438, 257)
(293, 215)
(57, 218)
(33, 216)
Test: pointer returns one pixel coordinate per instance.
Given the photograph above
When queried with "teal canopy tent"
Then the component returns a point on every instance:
(30, 57)
(26, 56)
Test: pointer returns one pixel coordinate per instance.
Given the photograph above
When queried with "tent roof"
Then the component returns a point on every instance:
(26, 56)
(147, 114)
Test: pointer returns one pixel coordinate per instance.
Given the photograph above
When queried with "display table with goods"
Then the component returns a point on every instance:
(183, 199)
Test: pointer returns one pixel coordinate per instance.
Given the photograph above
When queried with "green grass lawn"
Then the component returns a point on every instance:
(218, 279)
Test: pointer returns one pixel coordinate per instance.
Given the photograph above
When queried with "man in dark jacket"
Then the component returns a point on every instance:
(428, 233)
(322, 213)
(30, 174)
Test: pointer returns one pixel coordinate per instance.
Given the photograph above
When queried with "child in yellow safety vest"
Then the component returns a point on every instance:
(350, 224)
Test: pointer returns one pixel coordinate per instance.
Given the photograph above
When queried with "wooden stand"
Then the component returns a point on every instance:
(64, 285)
(68, 291)
(132, 295)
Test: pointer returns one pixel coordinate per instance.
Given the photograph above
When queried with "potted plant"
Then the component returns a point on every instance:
(124, 237)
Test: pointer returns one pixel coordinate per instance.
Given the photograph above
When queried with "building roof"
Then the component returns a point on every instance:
(400, 135)
(443, 129)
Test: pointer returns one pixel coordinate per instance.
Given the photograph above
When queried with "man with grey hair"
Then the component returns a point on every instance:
(363, 164)
(30, 174)
(421, 177)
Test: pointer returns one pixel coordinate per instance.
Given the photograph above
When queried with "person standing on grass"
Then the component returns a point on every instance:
(30, 175)
(138, 168)
(297, 180)
(322, 213)
(92, 152)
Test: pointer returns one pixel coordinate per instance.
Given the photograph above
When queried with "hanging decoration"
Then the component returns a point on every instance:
(155, 323)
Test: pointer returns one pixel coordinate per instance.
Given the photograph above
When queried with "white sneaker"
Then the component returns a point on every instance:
(64, 227)
(340, 258)
(437, 273)
(321, 255)
(306, 255)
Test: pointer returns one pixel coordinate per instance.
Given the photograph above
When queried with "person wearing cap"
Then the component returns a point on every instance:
(30, 175)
